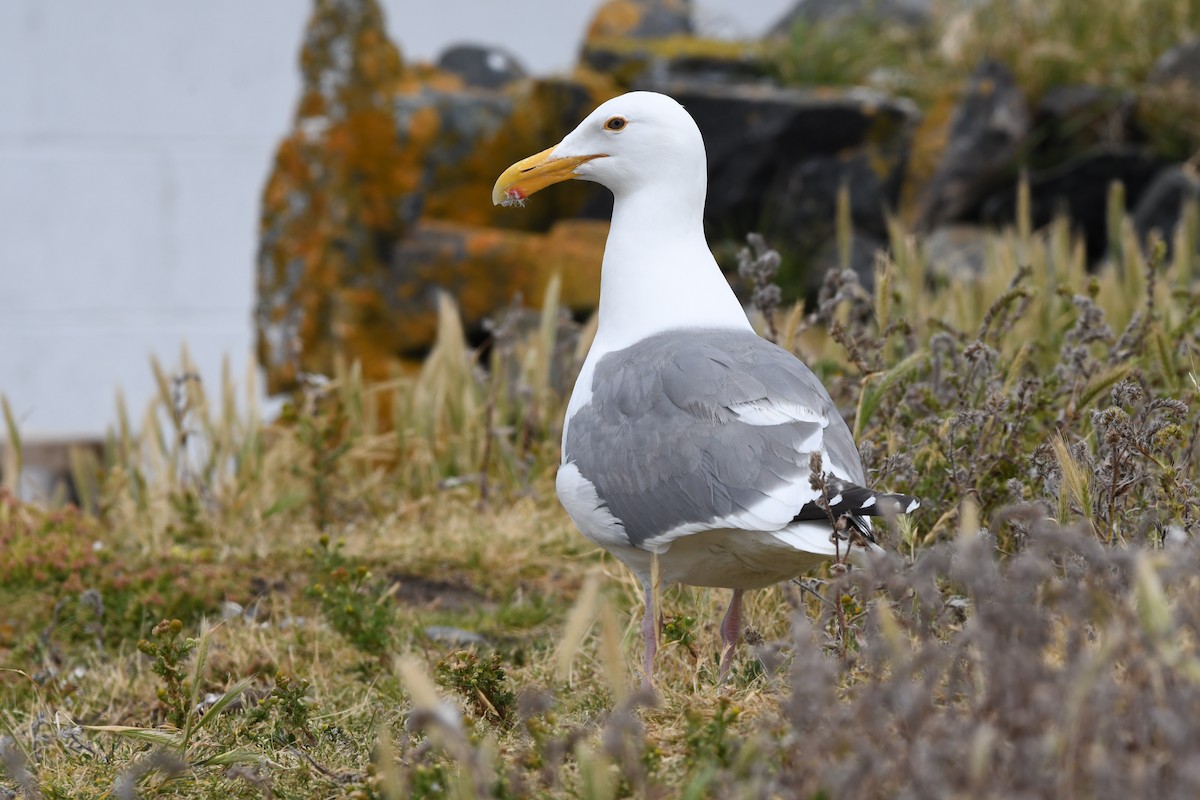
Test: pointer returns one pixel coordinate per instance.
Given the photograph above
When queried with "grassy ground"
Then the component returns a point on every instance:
(377, 595)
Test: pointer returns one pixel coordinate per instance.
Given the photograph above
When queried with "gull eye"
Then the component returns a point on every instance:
(615, 123)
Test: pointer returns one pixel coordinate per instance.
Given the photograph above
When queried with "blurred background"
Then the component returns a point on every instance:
(979, 222)
(282, 184)
(135, 140)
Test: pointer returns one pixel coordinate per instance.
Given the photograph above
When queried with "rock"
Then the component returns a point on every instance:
(987, 130)
(468, 262)
(481, 66)
(632, 62)
(777, 159)
(329, 207)
(864, 251)
(637, 40)
(801, 209)
(641, 19)
(1168, 105)
(465, 139)
(1073, 118)
(1162, 203)
(910, 13)
(231, 610)
(1079, 189)
(379, 155)
(379, 199)
(957, 253)
(1179, 67)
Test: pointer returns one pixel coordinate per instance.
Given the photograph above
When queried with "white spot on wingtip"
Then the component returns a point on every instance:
(836, 499)
(870, 501)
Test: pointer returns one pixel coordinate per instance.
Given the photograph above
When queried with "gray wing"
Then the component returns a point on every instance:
(699, 426)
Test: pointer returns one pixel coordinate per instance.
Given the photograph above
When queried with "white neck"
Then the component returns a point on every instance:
(658, 271)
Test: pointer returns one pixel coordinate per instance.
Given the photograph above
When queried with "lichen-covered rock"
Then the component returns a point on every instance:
(987, 130)
(1161, 206)
(330, 206)
(640, 19)
(483, 269)
(634, 41)
(481, 66)
(478, 134)
(380, 197)
(380, 153)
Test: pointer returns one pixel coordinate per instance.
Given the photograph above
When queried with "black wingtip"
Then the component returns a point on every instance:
(844, 499)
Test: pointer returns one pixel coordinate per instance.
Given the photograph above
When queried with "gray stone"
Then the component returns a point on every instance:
(777, 157)
(987, 131)
(1072, 118)
(481, 66)
(1079, 190)
(956, 252)
(801, 215)
(1179, 65)
(1161, 205)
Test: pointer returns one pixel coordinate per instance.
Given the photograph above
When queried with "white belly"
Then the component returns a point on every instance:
(728, 557)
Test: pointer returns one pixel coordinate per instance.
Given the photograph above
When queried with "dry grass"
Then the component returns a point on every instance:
(1026, 639)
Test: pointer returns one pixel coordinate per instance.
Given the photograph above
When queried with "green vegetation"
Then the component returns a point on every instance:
(1044, 43)
(1112, 45)
(377, 596)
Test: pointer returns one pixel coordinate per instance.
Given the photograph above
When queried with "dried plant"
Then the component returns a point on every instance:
(1032, 633)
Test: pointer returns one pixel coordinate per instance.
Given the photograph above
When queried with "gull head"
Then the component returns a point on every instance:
(636, 141)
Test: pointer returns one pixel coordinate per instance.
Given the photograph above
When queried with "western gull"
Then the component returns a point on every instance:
(688, 438)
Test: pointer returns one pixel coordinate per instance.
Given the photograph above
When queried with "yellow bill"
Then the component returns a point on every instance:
(533, 174)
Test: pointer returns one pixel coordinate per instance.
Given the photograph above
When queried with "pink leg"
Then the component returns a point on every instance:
(731, 633)
(650, 634)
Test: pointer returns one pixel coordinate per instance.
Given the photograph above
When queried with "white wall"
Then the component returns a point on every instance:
(135, 136)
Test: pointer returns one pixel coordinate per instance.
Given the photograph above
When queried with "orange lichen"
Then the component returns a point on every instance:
(615, 18)
(381, 196)
(543, 112)
(928, 143)
(330, 202)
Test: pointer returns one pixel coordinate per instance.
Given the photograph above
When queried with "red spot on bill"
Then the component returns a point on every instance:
(513, 197)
